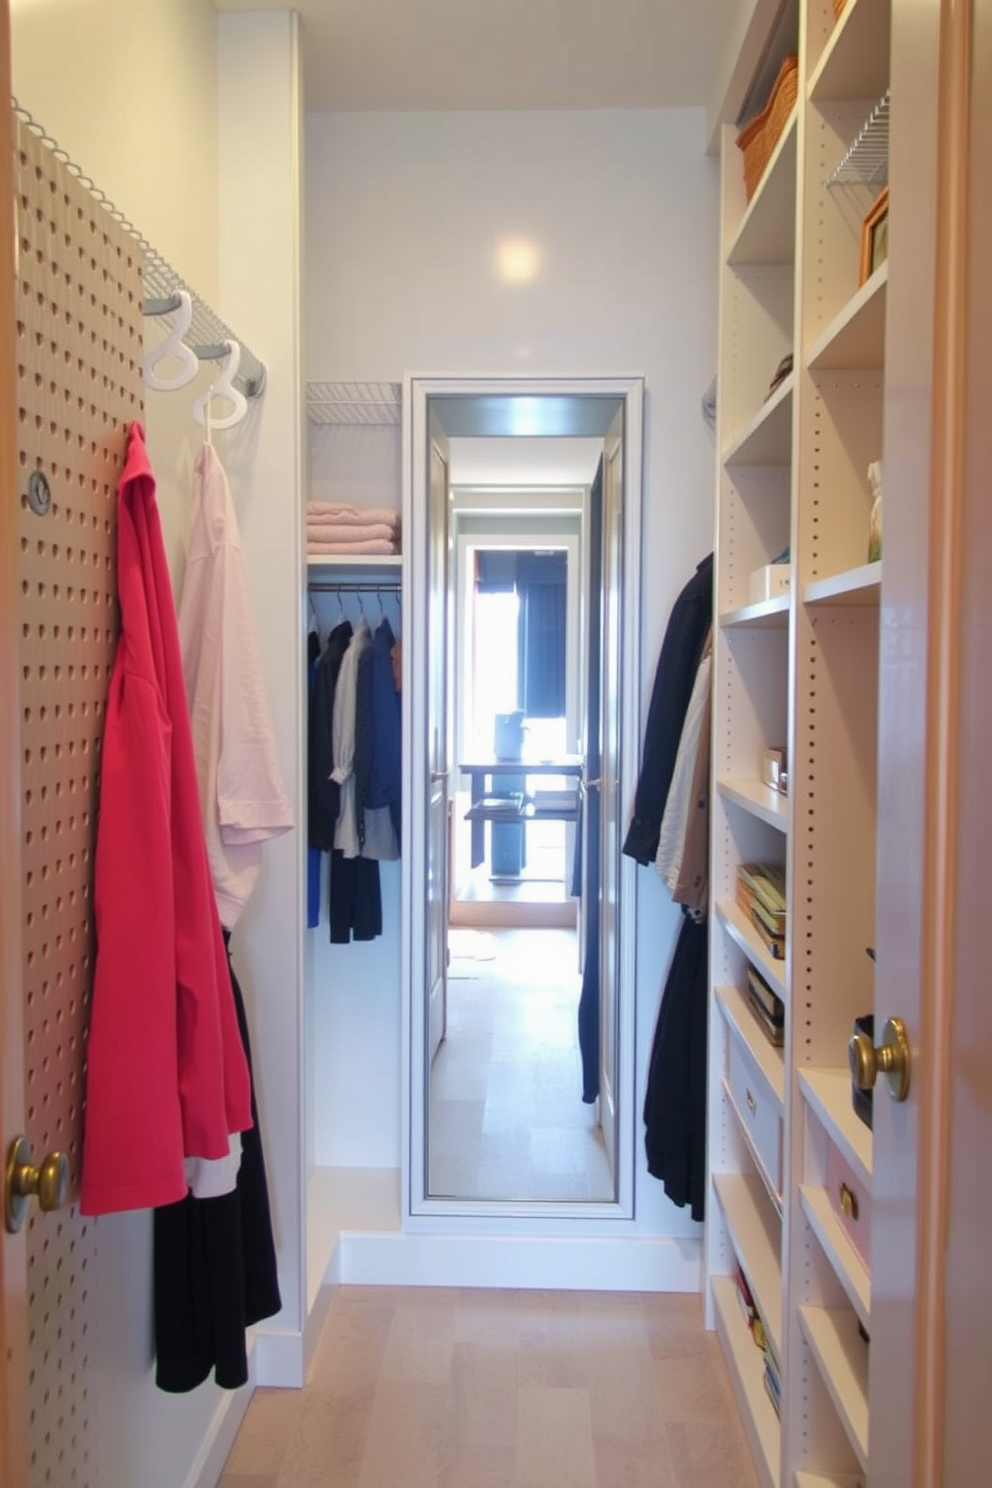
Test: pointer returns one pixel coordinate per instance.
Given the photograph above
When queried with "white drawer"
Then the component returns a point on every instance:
(757, 1108)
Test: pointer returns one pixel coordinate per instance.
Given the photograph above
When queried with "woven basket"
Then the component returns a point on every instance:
(758, 138)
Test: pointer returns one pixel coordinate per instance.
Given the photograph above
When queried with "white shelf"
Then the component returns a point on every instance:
(767, 232)
(828, 1093)
(841, 1254)
(756, 1157)
(756, 1235)
(856, 586)
(747, 1367)
(767, 438)
(741, 932)
(736, 1010)
(841, 1355)
(758, 799)
(830, 1480)
(855, 339)
(773, 613)
(376, 404)
(855, 61)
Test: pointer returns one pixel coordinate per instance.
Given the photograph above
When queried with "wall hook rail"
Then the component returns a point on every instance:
(163, 286)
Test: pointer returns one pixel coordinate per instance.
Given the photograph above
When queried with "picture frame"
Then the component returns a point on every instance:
(874, 238)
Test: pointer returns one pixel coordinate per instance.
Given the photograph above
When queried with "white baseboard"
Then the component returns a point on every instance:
(216, 1446)
(663, 1264)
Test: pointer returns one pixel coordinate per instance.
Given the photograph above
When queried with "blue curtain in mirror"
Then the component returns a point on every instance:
(541, 633)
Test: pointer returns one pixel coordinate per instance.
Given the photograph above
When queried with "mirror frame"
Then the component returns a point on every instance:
(418, 1210)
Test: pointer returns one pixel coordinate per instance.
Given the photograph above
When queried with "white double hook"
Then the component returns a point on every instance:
(174, 345)
(223, 388)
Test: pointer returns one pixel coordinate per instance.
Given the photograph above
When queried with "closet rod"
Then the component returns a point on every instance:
(355, 588)
(161, 282)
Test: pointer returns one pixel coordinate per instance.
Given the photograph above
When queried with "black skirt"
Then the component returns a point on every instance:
(215, 1266)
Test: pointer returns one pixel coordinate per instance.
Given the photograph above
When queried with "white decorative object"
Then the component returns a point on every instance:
(875, 520)
(769, 582)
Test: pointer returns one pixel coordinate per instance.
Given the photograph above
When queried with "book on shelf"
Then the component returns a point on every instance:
(761, 896)
(768, 1010)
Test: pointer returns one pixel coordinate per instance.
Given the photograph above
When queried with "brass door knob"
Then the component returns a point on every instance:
(891, 1059)
(50, 1182)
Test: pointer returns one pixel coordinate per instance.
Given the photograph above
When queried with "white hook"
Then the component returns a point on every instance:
(223, 388)
(173, 345)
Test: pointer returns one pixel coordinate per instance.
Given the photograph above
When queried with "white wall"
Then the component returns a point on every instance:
(130, 90)
(404, 215)
(259, 153)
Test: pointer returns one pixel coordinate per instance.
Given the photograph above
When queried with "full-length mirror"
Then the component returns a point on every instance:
(520, 1037)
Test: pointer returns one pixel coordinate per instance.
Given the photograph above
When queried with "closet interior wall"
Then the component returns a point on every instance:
(352, 1003)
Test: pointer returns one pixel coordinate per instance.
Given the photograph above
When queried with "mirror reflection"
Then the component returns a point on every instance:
(514, 1070)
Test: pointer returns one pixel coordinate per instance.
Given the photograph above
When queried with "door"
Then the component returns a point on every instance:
(438, 843)
(610, 826)
(13, 1250)
(931, 1359)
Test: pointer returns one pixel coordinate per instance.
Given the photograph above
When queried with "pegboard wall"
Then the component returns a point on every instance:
(79, 345)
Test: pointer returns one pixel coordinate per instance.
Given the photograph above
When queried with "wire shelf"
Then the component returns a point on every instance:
(866, 163)
(207, 333)
(370, 403)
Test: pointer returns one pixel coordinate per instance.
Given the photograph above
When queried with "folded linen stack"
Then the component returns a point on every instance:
(336, 528)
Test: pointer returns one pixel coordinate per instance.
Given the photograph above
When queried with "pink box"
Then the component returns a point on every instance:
(850, 1202)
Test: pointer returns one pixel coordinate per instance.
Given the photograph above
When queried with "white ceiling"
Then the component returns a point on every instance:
(522, 461)
(507, 54)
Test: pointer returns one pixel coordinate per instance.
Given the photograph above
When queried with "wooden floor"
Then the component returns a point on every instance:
(428, 1388)
(507, 1120)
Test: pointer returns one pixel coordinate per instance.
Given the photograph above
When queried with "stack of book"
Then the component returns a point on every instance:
(773, 1380)
(761, 895)
(768, 1009)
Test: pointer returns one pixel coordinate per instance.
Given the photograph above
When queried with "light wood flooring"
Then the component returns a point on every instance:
(507, 1119)
(429, 1388)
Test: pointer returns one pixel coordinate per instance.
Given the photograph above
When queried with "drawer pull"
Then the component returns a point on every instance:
(752, 1104)
(848, 1202)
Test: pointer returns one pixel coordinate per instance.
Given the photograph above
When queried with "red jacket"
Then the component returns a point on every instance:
(166, 1072)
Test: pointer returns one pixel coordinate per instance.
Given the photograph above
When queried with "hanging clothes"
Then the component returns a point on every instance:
(675, 677)
(241, 791)
(215, 1267)
(671, 826)
(386, 771)
(325, 793)
(675, 1099)
(683, 844)
(343, 736)
(167, 1077)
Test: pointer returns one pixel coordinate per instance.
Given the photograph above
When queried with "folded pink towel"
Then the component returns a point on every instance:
(352, 534)
(342, 549)
(341, 515)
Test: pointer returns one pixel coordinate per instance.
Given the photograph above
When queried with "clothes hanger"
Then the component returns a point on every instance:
(174, 345)
(223, 388)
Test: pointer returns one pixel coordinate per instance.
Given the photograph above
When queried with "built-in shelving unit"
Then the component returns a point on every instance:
(760, 800)
(766, 612)
(742, 933)
(764, 233)
(733, 1004)
(855, 586)
(747, 1368)
(838, 1249)
(799, 671)
(756, 1235)
(841, 1356)
(828, 1094)
(765, 439)
(855, 338)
